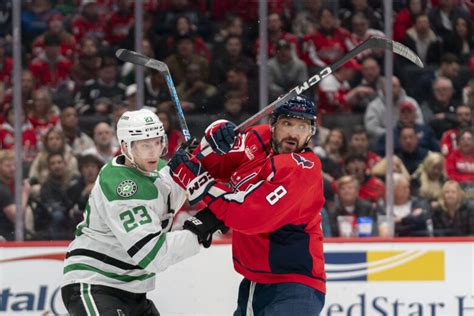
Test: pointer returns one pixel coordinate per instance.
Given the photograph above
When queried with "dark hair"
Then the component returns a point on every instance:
(359, 129)
(464, 131)
(354, 157)
(89, 159)
(407, 127)
(449, 58)
(53, 154)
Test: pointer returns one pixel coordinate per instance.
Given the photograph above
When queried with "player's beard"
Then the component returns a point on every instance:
(282, 147)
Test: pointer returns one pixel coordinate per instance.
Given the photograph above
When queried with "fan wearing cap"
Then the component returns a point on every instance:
(335, 93)
(272, 203)
(125, 237)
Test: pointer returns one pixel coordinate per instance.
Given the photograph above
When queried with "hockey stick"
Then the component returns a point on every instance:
(373, 42)
(142, 60)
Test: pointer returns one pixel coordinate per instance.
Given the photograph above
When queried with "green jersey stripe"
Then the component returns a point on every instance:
(87, 300)
(152, 254)
(115, 276)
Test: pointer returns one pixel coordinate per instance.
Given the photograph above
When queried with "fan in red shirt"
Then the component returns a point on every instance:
(119, 23)
(51, 68)
(273, 207)
(460, 163)
(56, 27)
(89, 22)
(175, 137)
(449, 141)
(6, 65)
(42, 115)
(328, 44)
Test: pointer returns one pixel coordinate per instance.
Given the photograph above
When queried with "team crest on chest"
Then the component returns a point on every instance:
(127, 188)
(300, 161)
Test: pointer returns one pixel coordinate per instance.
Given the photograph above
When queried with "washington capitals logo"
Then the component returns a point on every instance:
(303, 162)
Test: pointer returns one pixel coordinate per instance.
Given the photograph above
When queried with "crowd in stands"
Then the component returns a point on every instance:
(74, 89)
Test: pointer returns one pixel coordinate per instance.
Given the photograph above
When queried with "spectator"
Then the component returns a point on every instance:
(7, 196)
(43, 114)
(468, 94)
(106, 86)
(89, 21)
(428, 179)
(185, 8)
(370, 188)
(335, 93)
(461, 43)
(232, 109)
(275, 34)
(50, 68)
(411, 214)
(452, 217)
(195, 90)
(185, 55)
(103, 147)
(460, 163)
(423, 41)
(406, 18)
(439, 112)
(233, 26)
(54, 142)
(449, 68)
(155, 41)
(359, 144)
(81, 186)
(6, 24)
(128, 73)
(56, 28)
(362, 31)
(237, 80)
(119, 23)
(360, 7)
(444, 16)
(87, 63)
(156, 91)
(374, 118)
(231, 56)
(464, 119)
(183, 27)
(285, 70)
(7, 136)
(334, 148)
(370, 71)
(34, 20)
(379, 169)
(407, 118)
(54, 197)
(348, 203)
(410, 153)
(327, 44)
(175, 137)
(77, 140)
(306, 21)
(6, 65)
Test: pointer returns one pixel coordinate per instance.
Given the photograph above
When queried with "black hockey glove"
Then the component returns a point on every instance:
(220, 135)
(204, 224)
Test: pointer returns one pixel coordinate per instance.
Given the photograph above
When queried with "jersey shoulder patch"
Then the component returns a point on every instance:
(119, 182)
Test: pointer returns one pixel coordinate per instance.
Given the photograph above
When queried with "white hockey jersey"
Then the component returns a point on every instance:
(121, 242)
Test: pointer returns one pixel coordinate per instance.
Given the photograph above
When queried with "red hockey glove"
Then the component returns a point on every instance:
(204, 224)
(190, 176)
(220, 136)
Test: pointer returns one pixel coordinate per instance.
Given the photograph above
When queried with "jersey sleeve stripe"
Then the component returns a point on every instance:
(103, 258)
(152, 254)
(260, 141)
(115, 276)
(141, 243)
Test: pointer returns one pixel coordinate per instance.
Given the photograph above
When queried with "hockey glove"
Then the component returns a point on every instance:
(190, 145)
(188, 174)
(220, 135)
(204, 224)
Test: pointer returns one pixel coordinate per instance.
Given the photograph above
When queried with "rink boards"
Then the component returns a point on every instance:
(373, 277)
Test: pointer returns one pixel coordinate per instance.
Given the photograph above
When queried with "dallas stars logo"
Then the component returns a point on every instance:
(127, 188)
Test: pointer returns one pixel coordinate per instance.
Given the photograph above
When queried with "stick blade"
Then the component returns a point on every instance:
(139, 59)
(399, 49)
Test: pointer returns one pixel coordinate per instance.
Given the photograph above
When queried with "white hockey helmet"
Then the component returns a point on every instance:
(139, 125)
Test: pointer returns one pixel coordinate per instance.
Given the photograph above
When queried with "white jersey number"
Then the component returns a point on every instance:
(276, 195)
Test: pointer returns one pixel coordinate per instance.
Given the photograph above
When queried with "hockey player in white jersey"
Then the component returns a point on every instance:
(125, 237)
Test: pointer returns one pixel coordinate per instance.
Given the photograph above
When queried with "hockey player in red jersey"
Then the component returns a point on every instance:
(273, 207)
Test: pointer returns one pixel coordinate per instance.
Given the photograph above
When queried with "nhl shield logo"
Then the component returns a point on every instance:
(127, 188)
(300, 161)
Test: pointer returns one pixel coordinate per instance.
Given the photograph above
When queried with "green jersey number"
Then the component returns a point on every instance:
(135, 217)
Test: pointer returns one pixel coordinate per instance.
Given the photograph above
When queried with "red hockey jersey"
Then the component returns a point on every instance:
(274, 210)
